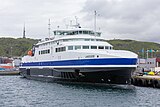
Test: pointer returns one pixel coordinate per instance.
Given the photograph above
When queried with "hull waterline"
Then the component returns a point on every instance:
(88, 75)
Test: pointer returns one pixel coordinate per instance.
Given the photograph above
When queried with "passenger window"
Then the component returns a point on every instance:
(77, 47)
(85, 47)
(100, 47)
(106, 47)
(61, 49)
(70, 47)
(93, 47)
(86, 39)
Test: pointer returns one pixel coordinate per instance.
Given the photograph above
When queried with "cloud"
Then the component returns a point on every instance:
(35, 15)
(139, 18)
(121, 19)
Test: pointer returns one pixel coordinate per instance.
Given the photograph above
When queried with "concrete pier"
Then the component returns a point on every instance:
(146, 81)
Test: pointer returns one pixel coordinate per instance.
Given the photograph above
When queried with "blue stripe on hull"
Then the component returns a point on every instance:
(102, 61)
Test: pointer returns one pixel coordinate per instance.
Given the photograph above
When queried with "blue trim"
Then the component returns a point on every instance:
(1, 69)
(100, 61)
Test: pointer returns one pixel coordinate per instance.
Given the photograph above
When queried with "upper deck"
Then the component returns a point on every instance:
(75, 37)
(74, 34)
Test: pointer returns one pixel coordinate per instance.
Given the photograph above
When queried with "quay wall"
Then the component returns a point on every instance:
(146, 81)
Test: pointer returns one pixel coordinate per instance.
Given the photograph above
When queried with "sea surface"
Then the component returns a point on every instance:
(19, 92)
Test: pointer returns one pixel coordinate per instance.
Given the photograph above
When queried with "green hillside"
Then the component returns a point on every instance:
(15, 47)
(138, 47)
(19, 47)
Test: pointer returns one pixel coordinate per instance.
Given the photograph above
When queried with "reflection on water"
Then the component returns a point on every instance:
(16, 91)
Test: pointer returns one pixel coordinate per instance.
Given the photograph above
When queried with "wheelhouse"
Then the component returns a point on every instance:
(76, 32)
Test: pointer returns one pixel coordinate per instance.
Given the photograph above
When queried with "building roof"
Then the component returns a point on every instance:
(157, 59)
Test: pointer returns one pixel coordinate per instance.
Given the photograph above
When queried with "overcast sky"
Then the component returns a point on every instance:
(119, 19)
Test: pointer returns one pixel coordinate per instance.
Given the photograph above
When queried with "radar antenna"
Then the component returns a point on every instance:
(77, 24)
(76, 20)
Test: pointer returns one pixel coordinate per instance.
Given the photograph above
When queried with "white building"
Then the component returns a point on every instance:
(149, 64)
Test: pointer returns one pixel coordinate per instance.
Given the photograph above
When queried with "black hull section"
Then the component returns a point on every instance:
(86, 75)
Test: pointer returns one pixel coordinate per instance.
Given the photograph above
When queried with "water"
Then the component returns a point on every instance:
(19, 92)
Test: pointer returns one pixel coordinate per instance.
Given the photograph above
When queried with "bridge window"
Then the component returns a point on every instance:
(80, 39)
(85, 32)
(61, 32)
(80, 32)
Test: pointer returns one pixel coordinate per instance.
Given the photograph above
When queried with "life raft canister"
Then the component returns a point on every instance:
(30, 53)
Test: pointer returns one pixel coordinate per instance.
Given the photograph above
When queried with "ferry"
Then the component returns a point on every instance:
(78, 55)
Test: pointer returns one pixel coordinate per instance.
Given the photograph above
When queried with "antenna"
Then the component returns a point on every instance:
(67, 26)
(70, 22)
(77, 24)
(49, 28)
(24, 32)
(76, 20)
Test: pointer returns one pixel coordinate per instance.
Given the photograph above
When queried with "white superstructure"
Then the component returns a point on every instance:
(75, 43)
